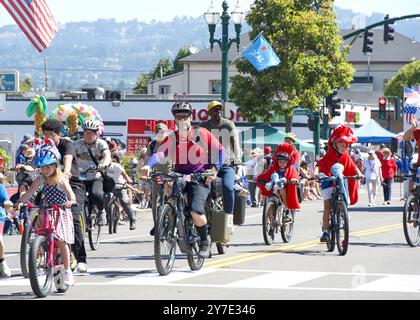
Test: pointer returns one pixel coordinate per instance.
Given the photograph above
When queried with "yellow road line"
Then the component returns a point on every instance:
(231, 261)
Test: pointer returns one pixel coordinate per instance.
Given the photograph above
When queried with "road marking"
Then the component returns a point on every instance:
(231, 261)
(124, 238)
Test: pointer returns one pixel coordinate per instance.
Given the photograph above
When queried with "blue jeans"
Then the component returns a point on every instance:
(228, 177)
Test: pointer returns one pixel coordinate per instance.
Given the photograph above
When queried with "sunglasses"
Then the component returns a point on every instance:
(182, 117)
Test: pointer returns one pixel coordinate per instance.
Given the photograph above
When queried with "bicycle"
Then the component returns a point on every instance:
(411, 213)
(339, 230)
(113, 216)
(45, 262)
(276, 217)
(175, 226)
(91, 216)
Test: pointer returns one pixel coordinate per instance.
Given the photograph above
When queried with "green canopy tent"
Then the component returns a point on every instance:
(273, 139)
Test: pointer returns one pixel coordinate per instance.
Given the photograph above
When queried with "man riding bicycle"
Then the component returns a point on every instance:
(93, 152)
(225, 130)
(191, 150)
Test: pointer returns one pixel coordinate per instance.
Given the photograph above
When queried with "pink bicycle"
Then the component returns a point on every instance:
(45, 262)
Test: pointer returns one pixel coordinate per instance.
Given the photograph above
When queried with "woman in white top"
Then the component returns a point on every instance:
(373, 174)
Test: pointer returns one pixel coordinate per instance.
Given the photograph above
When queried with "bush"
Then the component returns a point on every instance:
(5, 157)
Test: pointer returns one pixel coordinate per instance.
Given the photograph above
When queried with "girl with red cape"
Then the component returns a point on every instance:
(283, 166)
(340, 140)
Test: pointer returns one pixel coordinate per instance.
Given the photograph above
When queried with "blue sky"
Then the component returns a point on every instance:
(146, 10)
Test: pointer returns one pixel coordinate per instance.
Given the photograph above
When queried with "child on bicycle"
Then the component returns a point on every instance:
(340, 140)
(55, 190)
(285, 169)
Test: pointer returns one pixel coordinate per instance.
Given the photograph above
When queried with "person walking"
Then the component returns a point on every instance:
(389, 167)
(373, 174)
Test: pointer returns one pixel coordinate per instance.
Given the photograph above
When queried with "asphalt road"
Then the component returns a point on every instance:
(378, 265)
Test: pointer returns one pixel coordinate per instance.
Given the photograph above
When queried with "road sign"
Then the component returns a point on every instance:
(9, 82)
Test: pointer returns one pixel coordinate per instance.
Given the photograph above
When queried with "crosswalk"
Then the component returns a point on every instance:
(244, 279)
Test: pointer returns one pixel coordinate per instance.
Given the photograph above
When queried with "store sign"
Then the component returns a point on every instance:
(9, 82)
(135, 144)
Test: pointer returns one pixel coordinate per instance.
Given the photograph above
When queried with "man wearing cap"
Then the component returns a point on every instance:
(225, 131)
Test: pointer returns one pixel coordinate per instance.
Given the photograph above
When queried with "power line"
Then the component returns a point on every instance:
(78, 70)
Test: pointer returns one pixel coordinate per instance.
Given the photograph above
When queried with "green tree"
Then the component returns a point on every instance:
(306, 37)
(177, 66)
(163, 69)
(408, 76)
(26, 85)
(141, 84)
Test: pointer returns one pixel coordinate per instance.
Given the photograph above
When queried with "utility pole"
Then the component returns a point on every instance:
(46, 74)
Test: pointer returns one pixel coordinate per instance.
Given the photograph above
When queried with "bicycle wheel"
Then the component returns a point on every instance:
(94, 231)
(25, 242)
(411, 222)
(194, 260)
(331, 238)
(40, 276)
(270, 208)
(110, 217)
(342, 228)
(286, 230)
(165, 240)
(115, 213)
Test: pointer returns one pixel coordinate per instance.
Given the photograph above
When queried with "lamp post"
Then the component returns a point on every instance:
(212, 17)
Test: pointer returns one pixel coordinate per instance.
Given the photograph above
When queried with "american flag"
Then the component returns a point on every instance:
(409, 112)
(35, 19)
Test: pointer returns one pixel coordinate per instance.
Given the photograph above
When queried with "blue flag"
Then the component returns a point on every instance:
(261, 55)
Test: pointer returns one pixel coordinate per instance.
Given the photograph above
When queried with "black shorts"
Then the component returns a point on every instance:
(197, 193)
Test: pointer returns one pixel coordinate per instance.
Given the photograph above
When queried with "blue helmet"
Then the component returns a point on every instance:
(47, 154)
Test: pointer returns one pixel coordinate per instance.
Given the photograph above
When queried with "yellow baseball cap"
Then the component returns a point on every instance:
(214, 104)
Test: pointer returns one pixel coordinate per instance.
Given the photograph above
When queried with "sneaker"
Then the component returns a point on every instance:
(389, 202)
(81, 267)
(325, 236)
(68, 278)
(204, 249)
(370, 205)
(133, 225)
(121, 222)
(288, 217)
(4, 270)
(101, 219)
(152, 231)
(385, 203)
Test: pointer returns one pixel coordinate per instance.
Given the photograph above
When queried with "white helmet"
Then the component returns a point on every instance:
(91, 125)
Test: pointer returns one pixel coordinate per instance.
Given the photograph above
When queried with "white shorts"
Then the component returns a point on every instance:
(327, 193)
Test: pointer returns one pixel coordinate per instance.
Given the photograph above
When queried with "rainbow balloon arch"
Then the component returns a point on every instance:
(75, 115)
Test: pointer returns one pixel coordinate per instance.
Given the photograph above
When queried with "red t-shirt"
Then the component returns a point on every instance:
(388, 168)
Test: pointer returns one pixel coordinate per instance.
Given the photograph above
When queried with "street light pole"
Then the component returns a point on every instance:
(212, 18)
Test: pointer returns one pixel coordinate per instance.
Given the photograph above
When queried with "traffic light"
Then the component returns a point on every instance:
(382, 108)
(311, 123)
(367, 42)
(334, 106)
(388, 31)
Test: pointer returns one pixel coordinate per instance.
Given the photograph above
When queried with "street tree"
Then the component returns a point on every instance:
(182, 53)
(408, 76)
(25, 85)
(305, 36)
(141, 84)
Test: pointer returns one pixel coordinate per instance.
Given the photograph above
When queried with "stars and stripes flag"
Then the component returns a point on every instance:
(35, 19)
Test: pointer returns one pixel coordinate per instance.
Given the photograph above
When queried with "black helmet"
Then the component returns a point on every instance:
(283, 156)
(182, 107)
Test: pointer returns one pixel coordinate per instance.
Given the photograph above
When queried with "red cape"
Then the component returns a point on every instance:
(290, 173)
(330, 159)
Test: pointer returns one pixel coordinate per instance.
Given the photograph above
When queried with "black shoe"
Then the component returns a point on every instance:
(204, 249)
(152, 231)
(133, 225)
(101, 219)
(288, 217)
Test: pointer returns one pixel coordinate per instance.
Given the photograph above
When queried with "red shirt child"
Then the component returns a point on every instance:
(283, 165)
